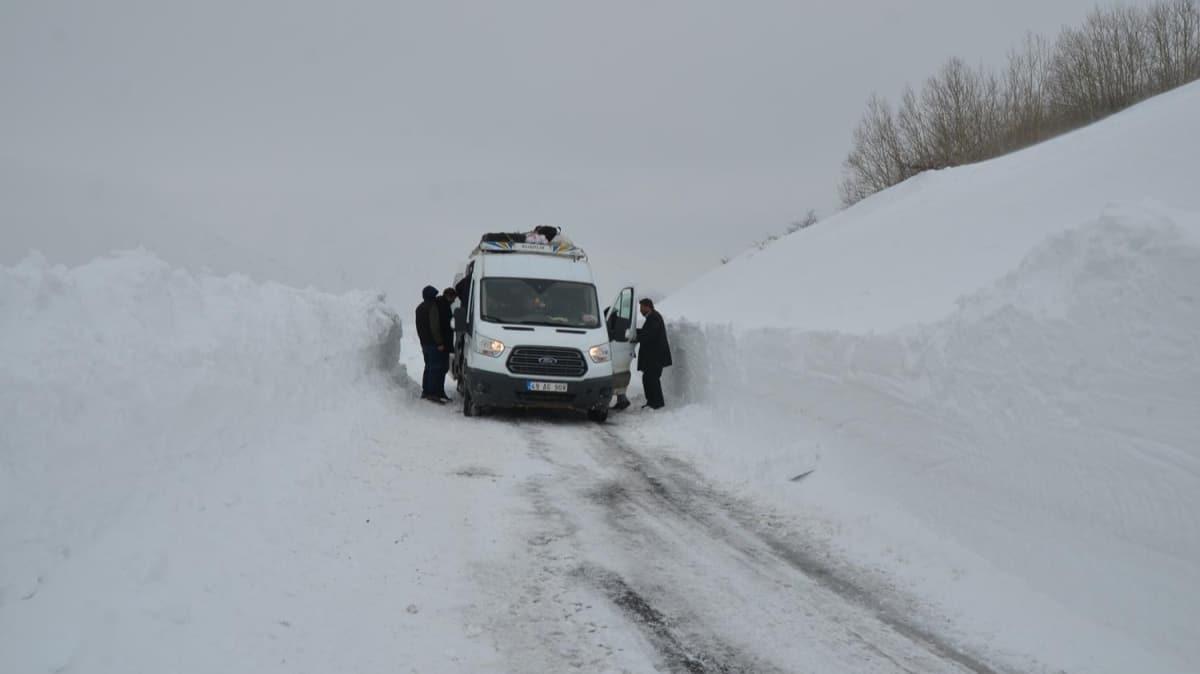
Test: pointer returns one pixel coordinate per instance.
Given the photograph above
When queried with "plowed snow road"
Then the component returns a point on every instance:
(633, 562)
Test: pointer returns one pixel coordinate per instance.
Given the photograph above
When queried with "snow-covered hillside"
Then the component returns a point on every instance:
(995, 371)
(907, 254)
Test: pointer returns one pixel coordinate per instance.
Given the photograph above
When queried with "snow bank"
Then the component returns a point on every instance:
(146, 413)
(996, 377)
(1046, 429)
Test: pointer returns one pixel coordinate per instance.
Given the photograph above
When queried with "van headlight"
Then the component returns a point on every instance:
(488, 346)
(599, 353)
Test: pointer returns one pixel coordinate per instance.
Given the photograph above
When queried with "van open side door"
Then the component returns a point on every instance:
(622, 330)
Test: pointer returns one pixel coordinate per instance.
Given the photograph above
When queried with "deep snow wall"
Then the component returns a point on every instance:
(1000, 360)
(144, 409)
(1048, 424)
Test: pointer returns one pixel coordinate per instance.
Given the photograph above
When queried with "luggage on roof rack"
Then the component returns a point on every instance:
(508, 247)
(503, 237)
(530, 242)
(539, 234)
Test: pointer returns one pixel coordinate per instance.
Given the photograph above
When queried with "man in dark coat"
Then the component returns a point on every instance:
(462, 292)
(446, 313)
(654, 353)
(445, 305)
(435, 346)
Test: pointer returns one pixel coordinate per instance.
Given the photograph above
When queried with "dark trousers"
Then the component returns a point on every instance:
(652, 382)
(437, 364)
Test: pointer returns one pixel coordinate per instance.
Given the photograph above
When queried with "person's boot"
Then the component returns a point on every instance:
(622, 403)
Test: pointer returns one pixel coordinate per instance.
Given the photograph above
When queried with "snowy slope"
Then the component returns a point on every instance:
(907, 254)
(995, 371)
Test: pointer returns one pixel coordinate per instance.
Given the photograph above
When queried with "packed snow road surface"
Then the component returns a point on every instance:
(633, 562)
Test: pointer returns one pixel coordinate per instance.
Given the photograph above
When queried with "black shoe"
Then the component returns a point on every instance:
(432, 398)
(445, 398)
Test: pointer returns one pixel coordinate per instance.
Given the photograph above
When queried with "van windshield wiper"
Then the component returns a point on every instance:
(550, 324)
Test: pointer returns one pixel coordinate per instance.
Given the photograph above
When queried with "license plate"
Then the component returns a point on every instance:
(546, 386)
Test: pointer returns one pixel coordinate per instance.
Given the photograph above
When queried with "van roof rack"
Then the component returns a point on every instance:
(508, 247)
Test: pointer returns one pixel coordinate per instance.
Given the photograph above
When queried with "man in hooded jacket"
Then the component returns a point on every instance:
(654, 353)
(435, 346)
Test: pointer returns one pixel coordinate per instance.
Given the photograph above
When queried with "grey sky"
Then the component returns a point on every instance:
(369, 143)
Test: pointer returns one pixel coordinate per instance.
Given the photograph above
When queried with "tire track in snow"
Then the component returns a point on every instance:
(685, 493)
(620, 538)
(657, 627)
(679, 644)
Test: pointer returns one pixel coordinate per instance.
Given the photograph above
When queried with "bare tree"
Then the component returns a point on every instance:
(874, 162)
(1027, 117)
(916, 150)
(810, 218)
(949, 101)
(1101, 67)
(1117, 57)
(1174, 38)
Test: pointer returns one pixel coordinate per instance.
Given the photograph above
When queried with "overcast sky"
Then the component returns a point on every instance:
(369, 143)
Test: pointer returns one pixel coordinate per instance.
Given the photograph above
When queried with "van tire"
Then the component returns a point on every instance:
(470, 409)
(598, 415)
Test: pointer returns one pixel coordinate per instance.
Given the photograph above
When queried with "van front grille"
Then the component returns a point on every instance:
(546, 361)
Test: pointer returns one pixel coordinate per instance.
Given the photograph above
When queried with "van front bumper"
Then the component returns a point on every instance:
(494, 389)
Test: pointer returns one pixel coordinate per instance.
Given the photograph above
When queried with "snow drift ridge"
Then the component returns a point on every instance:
(139, 401)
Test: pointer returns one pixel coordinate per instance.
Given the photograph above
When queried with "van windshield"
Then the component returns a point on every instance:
(527, 301)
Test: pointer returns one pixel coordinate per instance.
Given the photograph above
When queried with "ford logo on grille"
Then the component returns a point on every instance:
(547, 360)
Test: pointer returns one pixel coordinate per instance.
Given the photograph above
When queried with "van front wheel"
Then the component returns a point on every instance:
(598, 415)
(470, 409)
